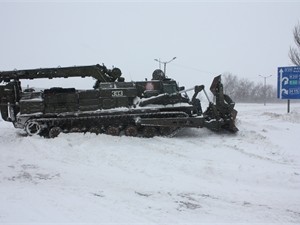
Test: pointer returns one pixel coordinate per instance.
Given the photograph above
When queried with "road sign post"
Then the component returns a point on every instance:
(288, 84)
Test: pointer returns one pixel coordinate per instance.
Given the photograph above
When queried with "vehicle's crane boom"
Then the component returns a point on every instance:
(100, 73)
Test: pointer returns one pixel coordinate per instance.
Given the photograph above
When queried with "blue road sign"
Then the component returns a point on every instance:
(288, 84)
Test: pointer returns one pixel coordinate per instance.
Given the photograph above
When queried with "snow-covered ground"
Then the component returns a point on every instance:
(196, 177)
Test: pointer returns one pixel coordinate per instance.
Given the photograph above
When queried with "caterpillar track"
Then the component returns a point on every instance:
(128, 124)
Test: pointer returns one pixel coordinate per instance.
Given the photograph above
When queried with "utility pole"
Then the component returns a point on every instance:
(159, 63)
(265, 88)
(165, 63)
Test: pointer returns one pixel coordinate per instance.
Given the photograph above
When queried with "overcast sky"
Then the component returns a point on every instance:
(247, 39)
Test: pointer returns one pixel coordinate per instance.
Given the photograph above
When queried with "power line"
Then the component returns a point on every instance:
(193, 68)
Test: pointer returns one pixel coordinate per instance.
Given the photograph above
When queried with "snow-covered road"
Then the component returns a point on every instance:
(195, 177)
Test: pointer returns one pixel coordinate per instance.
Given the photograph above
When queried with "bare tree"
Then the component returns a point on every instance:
(244, 90)
(294, 53)
(230, 83)
(257, 92)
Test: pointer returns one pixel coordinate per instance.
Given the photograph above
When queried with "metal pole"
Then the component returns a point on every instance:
(265, 88)
(288, 106)
(265, 98)
(165, 63)
(159, 63)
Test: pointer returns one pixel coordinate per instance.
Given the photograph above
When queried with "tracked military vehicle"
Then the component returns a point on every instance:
(115, 107)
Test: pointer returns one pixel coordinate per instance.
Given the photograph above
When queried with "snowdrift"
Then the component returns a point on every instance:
(195, 177)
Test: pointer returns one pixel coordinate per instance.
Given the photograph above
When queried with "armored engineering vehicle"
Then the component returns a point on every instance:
(143, 108)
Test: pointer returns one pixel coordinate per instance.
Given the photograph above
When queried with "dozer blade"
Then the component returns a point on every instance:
(214, 87)
(224, 106)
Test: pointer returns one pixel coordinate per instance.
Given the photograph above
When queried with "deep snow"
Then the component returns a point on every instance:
(195, 177)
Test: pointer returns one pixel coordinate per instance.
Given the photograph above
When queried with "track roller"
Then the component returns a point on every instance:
(131, 130)
(165, 131)
(95, 130)
(149, 132)
(112, 130)
(54, 132)
(33, 128)
(75, 130)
